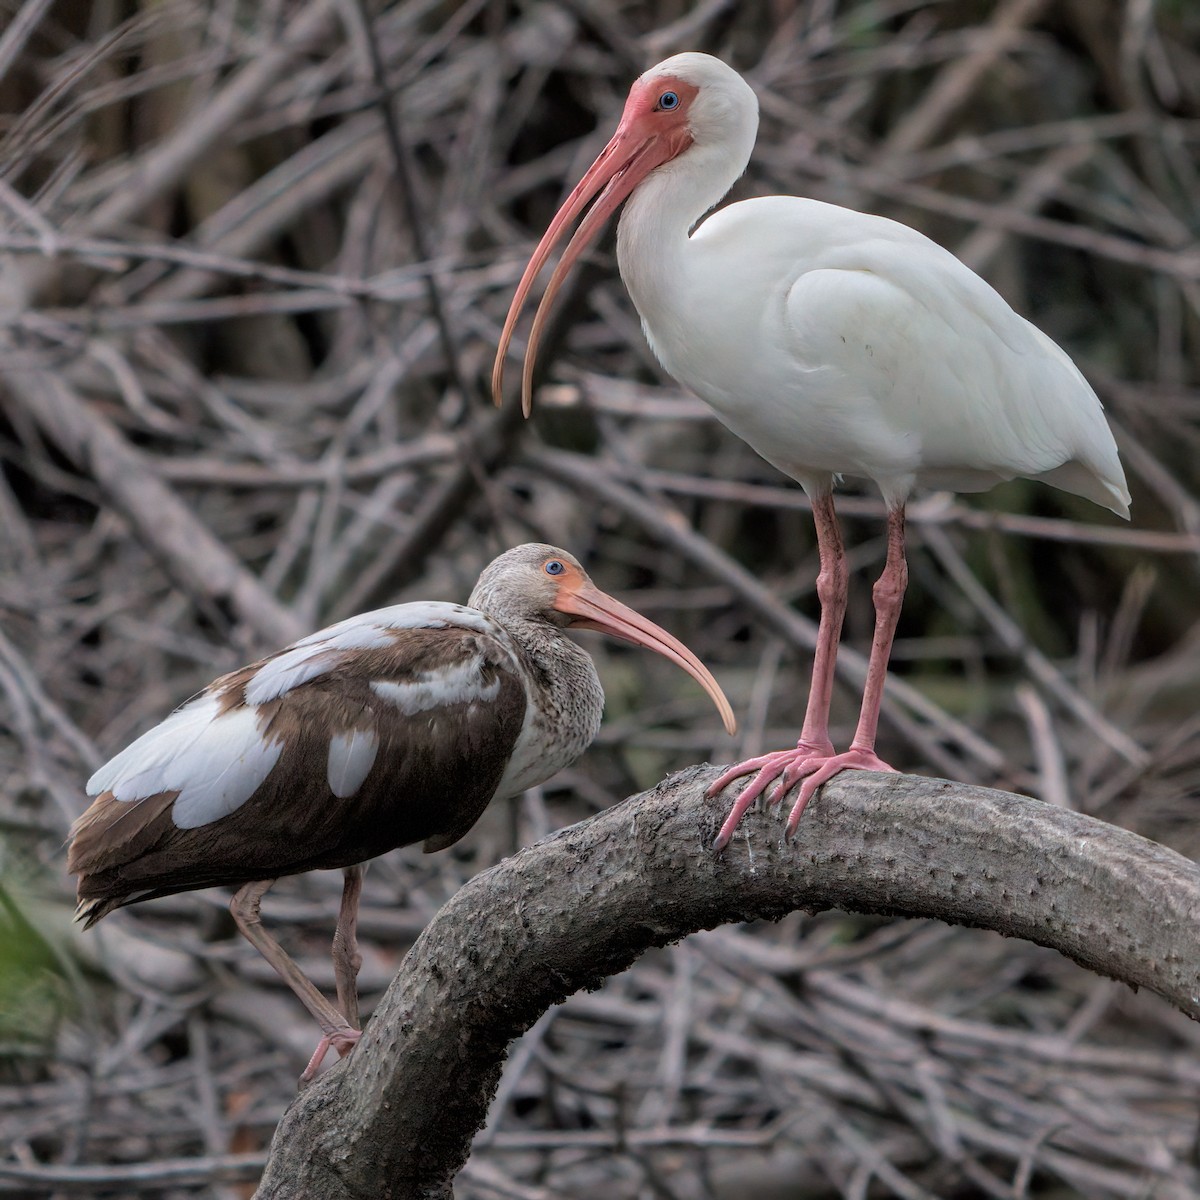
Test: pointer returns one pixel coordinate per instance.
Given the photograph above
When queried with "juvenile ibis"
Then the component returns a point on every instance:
(393, 727)
(833, 342)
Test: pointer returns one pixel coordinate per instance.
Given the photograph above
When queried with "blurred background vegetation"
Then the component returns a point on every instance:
(246, 339)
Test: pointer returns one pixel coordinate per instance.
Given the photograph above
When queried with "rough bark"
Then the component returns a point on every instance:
(396, 1118)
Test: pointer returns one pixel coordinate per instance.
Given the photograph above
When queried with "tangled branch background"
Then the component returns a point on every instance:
(246, 328)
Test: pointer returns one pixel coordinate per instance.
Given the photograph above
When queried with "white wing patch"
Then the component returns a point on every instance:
(289, 670)
(429, 614)
(458, 684)
(351, 757)
(314, 655)
(222, 775)
(156, 747)
(215, 761)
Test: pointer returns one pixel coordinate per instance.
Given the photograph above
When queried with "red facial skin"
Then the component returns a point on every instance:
(648, 136)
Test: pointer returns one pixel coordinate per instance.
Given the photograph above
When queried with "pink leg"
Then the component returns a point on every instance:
(337, 1031)
(816, 767)
(814, 744)
(346, 958)
(888, 595)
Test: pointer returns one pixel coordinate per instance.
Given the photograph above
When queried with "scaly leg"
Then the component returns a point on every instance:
(814, 745)
(817, 768)
(888, 595)
(346, 958)
(336, 1031)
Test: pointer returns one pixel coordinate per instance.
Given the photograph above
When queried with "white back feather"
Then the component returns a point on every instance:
(460, 683)
(314, 655)
(351, 757)
(156, 747)
(215, 761)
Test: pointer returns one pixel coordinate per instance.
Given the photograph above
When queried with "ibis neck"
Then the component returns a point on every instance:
(654, 232)
(564, 672)
(564, 702)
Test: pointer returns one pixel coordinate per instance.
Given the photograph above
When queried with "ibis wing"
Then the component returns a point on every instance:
(955, 388)
(391, 729)
(869, 350)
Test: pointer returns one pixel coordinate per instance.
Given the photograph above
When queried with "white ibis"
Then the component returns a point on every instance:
(833, 342)
(393, 727)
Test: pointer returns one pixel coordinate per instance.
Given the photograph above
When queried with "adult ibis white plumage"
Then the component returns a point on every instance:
(833, 342)
(393, 727)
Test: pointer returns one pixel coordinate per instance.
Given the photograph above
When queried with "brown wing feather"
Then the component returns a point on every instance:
(434, 773)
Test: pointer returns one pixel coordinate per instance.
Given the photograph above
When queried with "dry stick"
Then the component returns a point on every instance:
(398, 148)
(273, 202)
(587, 901)
(117, 255)
(956, 1036)
(1181, 265)
(1038, 665)
(492, 1179)
(1055, 787)
(578, 471)
(980, 247)
(480, 450)
(167, 163)
(424, 451)
(133, 1176)
(50, 712)
(936, 509)
(189, 551)
(974, 148)
(953, 86)
(20, 30)
(1157, 476)
(18, 206)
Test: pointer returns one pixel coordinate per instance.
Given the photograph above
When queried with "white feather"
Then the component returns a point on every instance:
(319, 652)
(459, 684)
(351, 757)
(222, 769)
(156, 747)
(215, 761)
(289, 670)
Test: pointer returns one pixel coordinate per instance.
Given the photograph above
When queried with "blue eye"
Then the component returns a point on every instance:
(668, 101)
(554, 567)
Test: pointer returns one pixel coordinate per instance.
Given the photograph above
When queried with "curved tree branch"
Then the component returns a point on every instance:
(397, 1117)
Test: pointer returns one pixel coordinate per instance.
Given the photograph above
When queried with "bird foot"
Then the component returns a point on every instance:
(768, 767)
(849, 760)
(812, 766)
(342, 1040)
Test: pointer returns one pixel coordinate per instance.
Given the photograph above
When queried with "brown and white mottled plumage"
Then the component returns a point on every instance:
(393, 727)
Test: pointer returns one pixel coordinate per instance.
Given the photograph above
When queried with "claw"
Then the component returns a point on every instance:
(806, 763)
(769, 767)
(341, 1040)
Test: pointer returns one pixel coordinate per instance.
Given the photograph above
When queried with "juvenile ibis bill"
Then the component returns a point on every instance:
(833, 342)
(393, 727)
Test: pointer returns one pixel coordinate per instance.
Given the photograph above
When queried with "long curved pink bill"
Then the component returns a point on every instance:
(621, 166)
(594, 609)
(614, 195)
